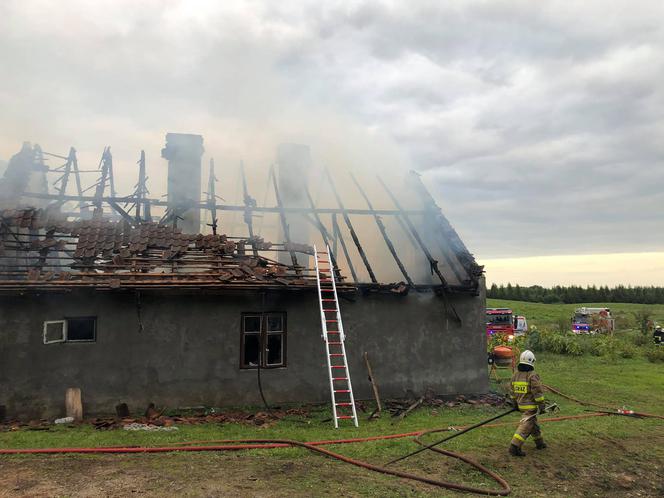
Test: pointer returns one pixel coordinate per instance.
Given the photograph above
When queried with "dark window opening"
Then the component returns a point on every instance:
(252, 349)
(81, 329)
(263, 337)
(274, 323)
(252, 323)
(274, 350)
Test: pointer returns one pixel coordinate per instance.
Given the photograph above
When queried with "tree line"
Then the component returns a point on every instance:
(578, 294)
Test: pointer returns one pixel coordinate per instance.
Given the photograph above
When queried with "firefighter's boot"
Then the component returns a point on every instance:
(540, 444)
(516, 451)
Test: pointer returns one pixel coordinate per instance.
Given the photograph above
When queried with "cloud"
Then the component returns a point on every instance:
(537, 125)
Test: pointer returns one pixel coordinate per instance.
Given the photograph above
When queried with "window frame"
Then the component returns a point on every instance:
(263, 335)
(65, 330)
(45, 330)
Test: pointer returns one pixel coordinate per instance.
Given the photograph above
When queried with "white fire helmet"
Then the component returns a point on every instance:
(527, 358)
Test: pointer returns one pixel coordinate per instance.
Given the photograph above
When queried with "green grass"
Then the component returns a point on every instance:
(547, 314)
(587, 457)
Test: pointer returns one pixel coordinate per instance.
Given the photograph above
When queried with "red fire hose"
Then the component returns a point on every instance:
(248, 444)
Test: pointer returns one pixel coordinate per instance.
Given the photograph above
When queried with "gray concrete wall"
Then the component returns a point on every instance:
(189, 351)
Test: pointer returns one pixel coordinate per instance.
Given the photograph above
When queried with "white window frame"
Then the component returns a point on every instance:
(64, 331)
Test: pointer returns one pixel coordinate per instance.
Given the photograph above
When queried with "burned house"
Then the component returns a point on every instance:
(125, 298)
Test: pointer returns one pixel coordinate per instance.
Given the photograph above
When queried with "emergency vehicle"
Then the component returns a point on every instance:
(499, 321)
(592, 320)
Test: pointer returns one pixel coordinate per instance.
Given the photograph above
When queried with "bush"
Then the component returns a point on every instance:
(533, 340)
(627, 350)
(655, 354)
(563, 324)
(623, 321)
(573, 347)
(643, 319)
(597, 347)
(638, 339)
(613, 347)
(553, 342)
(560, 343)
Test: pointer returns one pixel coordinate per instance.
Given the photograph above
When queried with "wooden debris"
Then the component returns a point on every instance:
(402, 407)
(404, 413)
(73, 404)
(374, 387)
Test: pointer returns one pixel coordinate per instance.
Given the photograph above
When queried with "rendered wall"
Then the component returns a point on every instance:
(189, 351)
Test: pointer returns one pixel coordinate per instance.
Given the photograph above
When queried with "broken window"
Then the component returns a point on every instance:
(78, 329)
(263, 340)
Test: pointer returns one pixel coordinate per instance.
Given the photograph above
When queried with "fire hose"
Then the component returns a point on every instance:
(315, 446)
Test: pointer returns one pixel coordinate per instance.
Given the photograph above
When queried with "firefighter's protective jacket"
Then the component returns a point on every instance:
(527, 390)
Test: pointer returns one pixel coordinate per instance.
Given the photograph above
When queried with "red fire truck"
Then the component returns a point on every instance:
(499, 321)
(592, 321)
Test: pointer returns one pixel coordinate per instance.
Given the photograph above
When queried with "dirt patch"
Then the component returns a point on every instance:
(142, 475)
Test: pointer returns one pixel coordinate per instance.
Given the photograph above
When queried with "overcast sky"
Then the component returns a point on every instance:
(539, 126)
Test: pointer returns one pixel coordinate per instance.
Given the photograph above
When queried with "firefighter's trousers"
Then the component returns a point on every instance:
(527, 426)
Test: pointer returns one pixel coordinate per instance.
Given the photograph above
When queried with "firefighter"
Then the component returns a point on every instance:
(658, 336)
(529, 398)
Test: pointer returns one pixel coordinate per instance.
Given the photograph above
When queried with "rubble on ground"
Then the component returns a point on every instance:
(402, 407)
(154, 418)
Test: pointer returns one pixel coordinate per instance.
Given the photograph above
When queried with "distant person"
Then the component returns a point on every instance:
(658, 335)
(529, 398)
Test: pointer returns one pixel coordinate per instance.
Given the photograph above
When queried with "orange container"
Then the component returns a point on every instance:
(503, 355)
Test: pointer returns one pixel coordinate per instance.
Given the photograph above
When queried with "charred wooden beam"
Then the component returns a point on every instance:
(383, 232)
(101, 184)
(353, 234)
(141, 192)
(227, 207)
(125, 215)
(338, 236)
(249, 206)
(62, 189)
(212, 197)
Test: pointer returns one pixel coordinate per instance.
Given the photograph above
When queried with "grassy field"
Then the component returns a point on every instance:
(548, 314)
(603, 456)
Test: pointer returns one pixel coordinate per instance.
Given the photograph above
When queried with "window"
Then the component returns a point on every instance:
(78, 329)
(55, 331)
(263, 337)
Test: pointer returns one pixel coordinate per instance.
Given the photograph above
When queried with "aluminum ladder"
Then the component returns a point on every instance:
(341, 389)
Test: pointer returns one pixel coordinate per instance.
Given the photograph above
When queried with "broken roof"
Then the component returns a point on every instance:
(42, 250)
(112, 247)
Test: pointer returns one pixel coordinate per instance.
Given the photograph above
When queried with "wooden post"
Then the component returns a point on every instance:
(73, 404)
(373, 383)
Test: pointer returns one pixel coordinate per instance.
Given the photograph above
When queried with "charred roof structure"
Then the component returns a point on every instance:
(78, 250)
(115, 222)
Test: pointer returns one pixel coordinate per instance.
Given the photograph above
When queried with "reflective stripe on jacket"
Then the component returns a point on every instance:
(527, 390)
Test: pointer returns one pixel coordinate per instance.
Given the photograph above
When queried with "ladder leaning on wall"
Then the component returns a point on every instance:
(341, 389)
